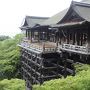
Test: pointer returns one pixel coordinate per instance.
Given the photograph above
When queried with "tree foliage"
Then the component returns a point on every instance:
(13, 84)
(79, 82)
(9, 57)
(2, 37)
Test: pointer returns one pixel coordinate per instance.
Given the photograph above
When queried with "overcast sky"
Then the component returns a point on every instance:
(12, 12)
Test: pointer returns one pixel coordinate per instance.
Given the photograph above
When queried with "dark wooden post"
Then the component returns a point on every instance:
(31, 35)
(81, 39)
(47, 34)
(88, 38)
(73, 38)
(67, 37)
(65, 63)
(78, 38)
(38, 35)
(26, 33)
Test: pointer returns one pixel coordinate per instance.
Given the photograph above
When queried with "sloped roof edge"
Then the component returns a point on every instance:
(31, 21)
(83, 10)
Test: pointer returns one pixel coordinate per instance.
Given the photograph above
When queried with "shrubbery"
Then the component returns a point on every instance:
(9, 64)
(13, 84)
(9, 57)
(79, 82)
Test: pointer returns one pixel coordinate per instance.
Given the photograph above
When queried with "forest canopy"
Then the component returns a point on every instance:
(9, 57)
(3, 37)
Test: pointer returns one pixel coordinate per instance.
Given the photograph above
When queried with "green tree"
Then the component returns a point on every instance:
(9, 57)
(2, 37)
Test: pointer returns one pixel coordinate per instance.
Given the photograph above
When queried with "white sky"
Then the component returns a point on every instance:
(12, 12)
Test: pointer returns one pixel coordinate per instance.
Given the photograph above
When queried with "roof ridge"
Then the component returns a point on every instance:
(36, 17)
(80, 4)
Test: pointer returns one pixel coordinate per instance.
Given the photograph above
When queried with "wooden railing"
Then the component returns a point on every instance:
(75, 48)
(43, 47)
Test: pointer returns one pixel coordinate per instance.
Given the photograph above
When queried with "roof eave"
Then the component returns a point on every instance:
(70, 24)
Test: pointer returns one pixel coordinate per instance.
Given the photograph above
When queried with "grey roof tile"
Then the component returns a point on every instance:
(31, 21)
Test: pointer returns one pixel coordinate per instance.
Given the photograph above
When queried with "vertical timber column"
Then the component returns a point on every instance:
(64, 56)
(81, 39)
(73, 37)
(78, 37)
(47, 32)
(31, 36)
(67, 37)
(59, 37)
(41, 69)
(38, 35)
(26, 33)
(88, 37)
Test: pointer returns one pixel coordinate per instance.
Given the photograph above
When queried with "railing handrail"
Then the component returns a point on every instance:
(43, 48)
(75, 47)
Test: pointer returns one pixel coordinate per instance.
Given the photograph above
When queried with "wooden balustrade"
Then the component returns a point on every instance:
(43, 47)
(75, 48)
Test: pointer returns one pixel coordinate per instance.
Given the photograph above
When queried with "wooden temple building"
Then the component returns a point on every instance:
(52, 45)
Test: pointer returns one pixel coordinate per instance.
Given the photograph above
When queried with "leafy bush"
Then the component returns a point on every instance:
(79, 82)
(13, 84)
(80, 67)
(9, 57)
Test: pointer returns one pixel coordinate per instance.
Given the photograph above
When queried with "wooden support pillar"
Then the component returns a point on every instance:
(59, 36)
(73, 38)
(38, 35)
(65, 63)
(81, 36)
(31, 36)
(47, 35)
(55, 37)
(41, 72)
(67, 37)
(78, 38)
(88, 38)
(70, 36)
(26, 33)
